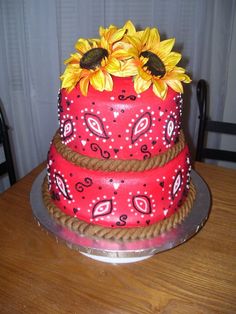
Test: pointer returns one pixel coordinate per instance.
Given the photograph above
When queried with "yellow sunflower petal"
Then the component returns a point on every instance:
(175, 75)
(82, 45)
(140, 85)
(108, 82)
(70, 77)
(179, 70)
(145, 75)
(135, 42)
(175, 85)
(107, 32)
(128, 68)
(153, 39)
(104, 44)
(160, 88)
(117, 35)
(130, 28)
(145, 35)
(74, 58)
(101, 31)
(166, 46)
(113, 65)
(172, 59)
(83, 84)
(120, 50)
(186, 79)
(132, 52)
(97, 80)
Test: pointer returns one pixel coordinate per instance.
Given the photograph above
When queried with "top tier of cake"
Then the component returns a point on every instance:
(119, 124)
(121, 95)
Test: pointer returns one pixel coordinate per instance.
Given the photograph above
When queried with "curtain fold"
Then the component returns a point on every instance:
(36, 37)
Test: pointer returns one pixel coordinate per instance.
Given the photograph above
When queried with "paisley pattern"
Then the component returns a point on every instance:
(170, 127)
(102, 208)
(142, 204)
(67, 129)
(61, 184)
(95, 125)
(176, 184)
(141, 126)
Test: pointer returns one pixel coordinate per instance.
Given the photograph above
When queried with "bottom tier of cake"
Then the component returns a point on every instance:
(118, 204)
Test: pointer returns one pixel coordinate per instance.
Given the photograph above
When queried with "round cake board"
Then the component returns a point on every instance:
(117, 252)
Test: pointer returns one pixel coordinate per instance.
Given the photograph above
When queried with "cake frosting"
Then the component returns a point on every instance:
(120, 124)
(119, 167)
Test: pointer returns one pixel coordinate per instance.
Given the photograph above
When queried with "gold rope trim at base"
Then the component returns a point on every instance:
(123, 234)
(118, 165)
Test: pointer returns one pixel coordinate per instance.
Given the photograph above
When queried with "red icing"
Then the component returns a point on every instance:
(114, 199)
(119, 124)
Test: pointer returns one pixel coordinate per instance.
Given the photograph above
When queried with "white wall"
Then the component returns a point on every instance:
(228, 142)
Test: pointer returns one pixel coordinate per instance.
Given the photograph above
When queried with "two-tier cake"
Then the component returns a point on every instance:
(119, 167)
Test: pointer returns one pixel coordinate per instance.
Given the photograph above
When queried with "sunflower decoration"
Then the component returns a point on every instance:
(125, 52)
(95, 61)
(154, 61)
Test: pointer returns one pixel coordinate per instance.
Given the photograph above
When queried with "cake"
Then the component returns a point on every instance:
(118, 166)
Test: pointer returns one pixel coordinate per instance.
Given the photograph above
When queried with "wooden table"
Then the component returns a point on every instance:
(40, 275)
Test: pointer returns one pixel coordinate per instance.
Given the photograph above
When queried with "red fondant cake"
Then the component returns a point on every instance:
(119, 167)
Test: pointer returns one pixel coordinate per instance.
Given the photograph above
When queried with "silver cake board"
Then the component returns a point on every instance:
(115, 252)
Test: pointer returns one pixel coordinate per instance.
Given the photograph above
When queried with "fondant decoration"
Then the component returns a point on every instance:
(141, 126)
(102, 208)
(141, 195)
(95, 125)
(144, 149)
(176, 184)
(142, 204)
(123, 97)
(117, 127)
(122, 221)
(116, 185)
(169, 129)
(61, 184)
(104, 154)
(125, 52)
(67, 129)
(81, 185)
(120, 160)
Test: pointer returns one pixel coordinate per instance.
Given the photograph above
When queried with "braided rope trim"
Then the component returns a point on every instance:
(118, 165)
(122, 234)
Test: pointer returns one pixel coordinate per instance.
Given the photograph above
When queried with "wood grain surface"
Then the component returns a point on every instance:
(40, 275)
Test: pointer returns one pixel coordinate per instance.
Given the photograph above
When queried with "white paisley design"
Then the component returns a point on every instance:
(102, 208)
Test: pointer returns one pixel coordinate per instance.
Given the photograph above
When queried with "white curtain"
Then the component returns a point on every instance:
(36, 37)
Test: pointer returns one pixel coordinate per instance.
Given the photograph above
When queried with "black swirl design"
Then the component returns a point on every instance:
(122, 221)
(95, 147)
(147, 154)
(123, 97)
(81, 185)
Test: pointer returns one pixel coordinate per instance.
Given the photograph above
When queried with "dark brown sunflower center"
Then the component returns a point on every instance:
(93, 58)
(154, 63)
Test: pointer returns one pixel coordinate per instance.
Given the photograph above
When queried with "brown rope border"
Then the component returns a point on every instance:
(117, 165)
(122, 234)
